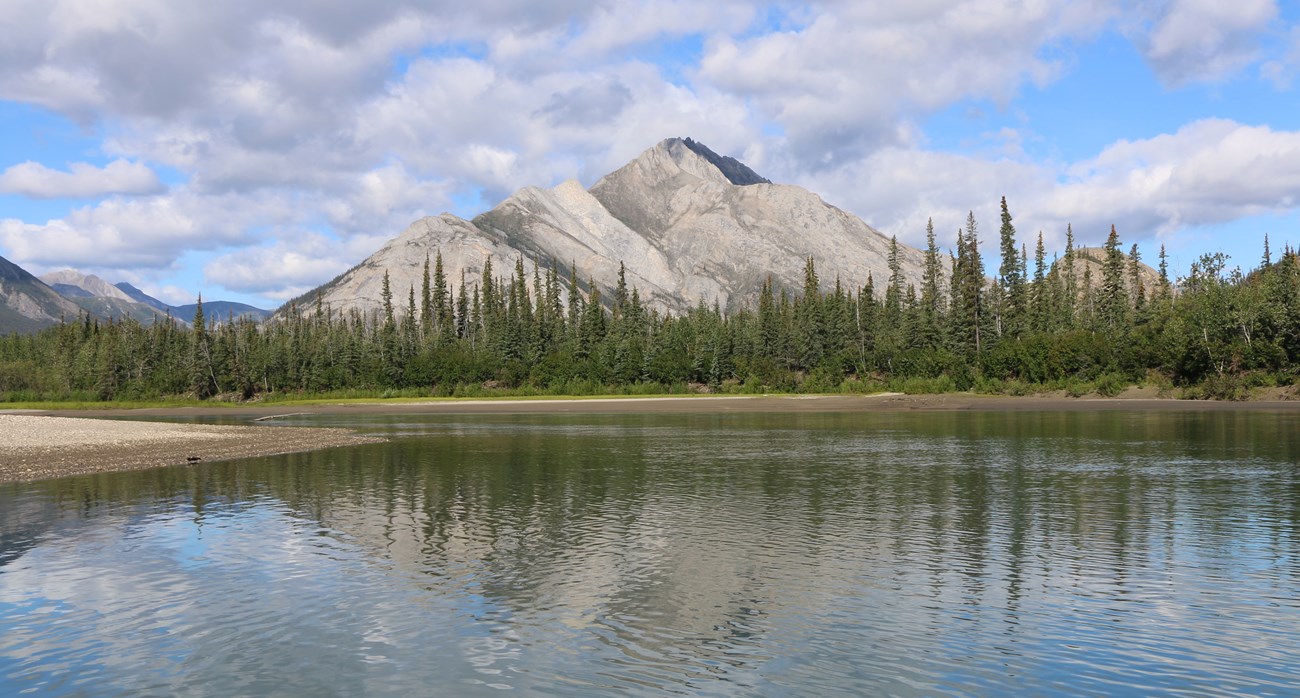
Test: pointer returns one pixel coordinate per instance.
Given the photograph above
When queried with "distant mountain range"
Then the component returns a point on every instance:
(690, 225)
(29, 303)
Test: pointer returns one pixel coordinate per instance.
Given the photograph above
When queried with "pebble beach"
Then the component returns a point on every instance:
(40, 447)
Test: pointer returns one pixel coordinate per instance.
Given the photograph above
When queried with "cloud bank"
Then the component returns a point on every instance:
(304, 131)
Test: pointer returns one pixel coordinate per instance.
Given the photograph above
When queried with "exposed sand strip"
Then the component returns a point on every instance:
(708, 404)
(36, 448)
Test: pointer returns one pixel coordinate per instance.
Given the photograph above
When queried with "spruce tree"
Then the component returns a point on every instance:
(1041, 296)
(768, 320)
(894, 291)
(1071, 281)
(1166, 289)
(202, 379)
(462, 309)
(442, 306)
(968, 316)
(931, 297)
(426, 301)
(386, 296)
(1136, 286)
(810, 335)
(620, 293)
(1011, 277)
(1113, 300)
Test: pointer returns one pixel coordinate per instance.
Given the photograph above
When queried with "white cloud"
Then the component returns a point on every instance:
(150, 232)
(291, 265)
(844, 84)
(292, 115)
(385, 200)
(81, 181)
(170, 294)
(1204, 40)
(481, 127)
(1208, 172)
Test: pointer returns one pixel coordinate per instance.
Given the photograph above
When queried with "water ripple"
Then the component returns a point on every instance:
(739, 555)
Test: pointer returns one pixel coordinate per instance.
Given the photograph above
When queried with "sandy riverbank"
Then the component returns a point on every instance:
(888, 402)
(39, 447)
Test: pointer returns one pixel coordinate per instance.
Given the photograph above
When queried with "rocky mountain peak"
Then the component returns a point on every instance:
(91, 285)
(735, 171)
(689, 225)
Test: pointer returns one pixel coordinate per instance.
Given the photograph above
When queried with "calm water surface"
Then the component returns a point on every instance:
(866, 554)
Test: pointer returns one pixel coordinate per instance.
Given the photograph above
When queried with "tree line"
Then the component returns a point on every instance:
(1036, 325)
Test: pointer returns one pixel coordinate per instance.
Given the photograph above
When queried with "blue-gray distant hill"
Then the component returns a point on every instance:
(141, 297)
(213, 311)
(221, 311)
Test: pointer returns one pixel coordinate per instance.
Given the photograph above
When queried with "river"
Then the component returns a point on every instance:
(950, 553)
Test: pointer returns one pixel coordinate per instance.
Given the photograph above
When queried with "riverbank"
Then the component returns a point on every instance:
(1134, 399)
(34, 447)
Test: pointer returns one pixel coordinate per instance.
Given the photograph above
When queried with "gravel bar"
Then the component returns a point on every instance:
(38, 448)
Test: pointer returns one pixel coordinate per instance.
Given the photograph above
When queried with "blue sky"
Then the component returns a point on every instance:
(252, 150)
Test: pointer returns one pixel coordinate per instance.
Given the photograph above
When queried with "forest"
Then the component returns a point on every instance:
(1037, 325)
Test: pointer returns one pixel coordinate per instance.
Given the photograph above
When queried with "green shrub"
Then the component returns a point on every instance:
(1111, 384)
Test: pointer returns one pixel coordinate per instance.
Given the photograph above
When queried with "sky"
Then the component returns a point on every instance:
(252, 149)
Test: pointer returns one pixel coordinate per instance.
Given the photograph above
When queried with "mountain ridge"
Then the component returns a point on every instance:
(683, 228)
(28, 304)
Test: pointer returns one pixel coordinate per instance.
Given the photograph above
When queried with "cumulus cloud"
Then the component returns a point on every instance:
(149, 232)
(841, 85)
(81, 181)
(482, 127)
(290, 265)
(385, 200)
(1207, 172)
(285, 115)
(1195, 40)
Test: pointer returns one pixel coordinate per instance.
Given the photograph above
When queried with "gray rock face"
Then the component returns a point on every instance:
(27, 304)
(90, 284)
(689, 225)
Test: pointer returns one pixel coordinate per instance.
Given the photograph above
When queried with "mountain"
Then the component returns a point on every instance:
(691, 226)
(89, 285)
(100, 297)
(27, 304)
(139, 296)
(214, 311)
(219, 311)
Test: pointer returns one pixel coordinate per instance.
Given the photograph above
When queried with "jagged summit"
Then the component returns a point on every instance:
(735, 171)
(690, 225)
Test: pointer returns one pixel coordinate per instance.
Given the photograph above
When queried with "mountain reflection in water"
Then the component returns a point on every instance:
(705, 554)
